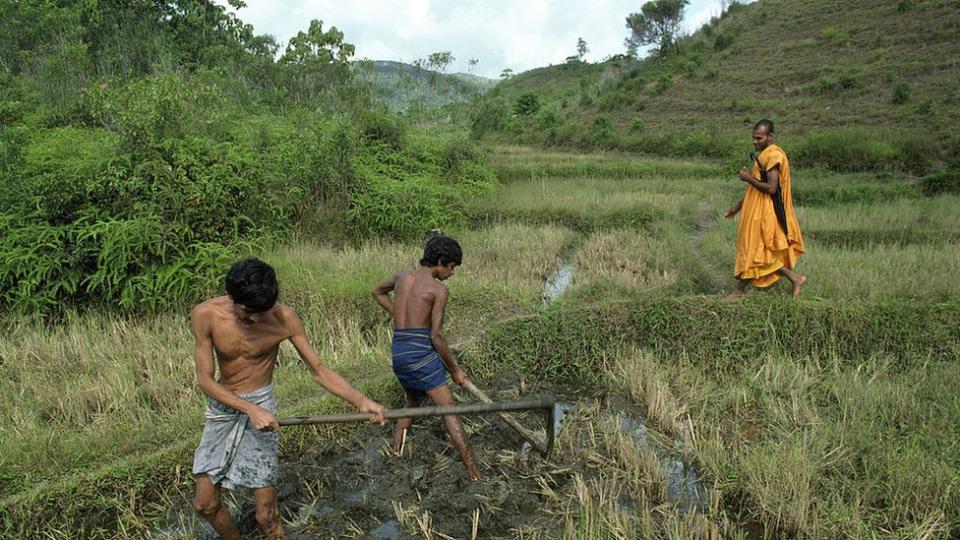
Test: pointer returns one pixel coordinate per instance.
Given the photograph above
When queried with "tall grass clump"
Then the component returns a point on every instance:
(939, 183)
(855, 149)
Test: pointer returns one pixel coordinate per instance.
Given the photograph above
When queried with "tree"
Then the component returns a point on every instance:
(657, 23)
(317, 62)
(318, 47)
(472, 63)
(581, 48)
(440, 60)
(506, 74)
(527, 104)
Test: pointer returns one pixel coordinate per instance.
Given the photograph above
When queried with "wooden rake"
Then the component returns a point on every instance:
(545, 404)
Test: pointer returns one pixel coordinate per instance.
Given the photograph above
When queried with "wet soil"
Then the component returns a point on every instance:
(356, 488)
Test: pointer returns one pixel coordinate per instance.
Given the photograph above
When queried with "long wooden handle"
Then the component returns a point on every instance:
(544, 403)
(542, 447)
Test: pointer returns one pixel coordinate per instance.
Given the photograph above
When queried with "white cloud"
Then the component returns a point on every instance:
(693, 21)
(499, 33)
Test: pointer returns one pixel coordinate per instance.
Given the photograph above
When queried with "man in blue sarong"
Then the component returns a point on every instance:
(421, 357)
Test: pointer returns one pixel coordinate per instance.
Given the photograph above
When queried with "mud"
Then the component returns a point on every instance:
(355, 488)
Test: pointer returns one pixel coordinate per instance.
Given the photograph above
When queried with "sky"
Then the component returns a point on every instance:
(500, 34)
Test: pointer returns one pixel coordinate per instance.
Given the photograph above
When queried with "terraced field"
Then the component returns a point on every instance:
(598, 278)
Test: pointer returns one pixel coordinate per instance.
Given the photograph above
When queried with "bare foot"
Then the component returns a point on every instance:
(399, 441)
(734, 296)
(801, 281)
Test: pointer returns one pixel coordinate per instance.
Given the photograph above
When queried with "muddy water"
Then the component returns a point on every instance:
(558, 282)
(684, 487)
(354, 487)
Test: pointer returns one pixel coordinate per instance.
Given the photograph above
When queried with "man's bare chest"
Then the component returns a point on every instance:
(250, 345)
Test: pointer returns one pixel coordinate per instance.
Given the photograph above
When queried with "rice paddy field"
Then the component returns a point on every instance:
(598, 278)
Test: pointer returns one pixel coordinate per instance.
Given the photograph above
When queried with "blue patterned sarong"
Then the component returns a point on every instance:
(415, 362)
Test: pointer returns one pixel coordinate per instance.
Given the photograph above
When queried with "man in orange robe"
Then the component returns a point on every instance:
(768, 236)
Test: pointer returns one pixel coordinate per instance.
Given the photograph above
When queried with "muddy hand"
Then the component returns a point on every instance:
(370, 406)
(263, 420)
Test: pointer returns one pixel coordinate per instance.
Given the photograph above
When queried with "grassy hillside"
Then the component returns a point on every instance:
(884, 71)
(403, 87)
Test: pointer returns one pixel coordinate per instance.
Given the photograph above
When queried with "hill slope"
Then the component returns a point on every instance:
(403, 87)
(885, 66)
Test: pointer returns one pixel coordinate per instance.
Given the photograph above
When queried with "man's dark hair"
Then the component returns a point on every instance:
(441, 250)
(765, 124)
(252, 283)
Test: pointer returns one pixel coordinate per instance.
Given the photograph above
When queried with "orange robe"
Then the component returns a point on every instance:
(762, 246)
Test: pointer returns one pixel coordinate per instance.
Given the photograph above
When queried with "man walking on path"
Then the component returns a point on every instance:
(769, 241)
(418, 307)
(243, 331)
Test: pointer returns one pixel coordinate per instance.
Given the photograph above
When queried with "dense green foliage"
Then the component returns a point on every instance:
(147, 144)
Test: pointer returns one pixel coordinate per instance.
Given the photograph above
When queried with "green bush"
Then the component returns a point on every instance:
(381, 127)
(825, 85)
(901, 93)
(547, 119)
(489, 114)
(568, 134)
(602, 134)
(463, 163)
(664, 82)
(527, 104)
(145, 211)
(861, 150)
(404, 209)
(833, 35)
(847, 81)
(945, 182)
(723, 41)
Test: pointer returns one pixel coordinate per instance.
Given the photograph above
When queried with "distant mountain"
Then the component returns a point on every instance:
(405, 87)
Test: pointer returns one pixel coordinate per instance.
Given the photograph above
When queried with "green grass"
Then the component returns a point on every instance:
(516, 163)
(823, 449)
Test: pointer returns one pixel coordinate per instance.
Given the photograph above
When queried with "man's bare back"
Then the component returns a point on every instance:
(421, 356)
(414, 296)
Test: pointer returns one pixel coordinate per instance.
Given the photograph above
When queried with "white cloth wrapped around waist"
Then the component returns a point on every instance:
(231, 451)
